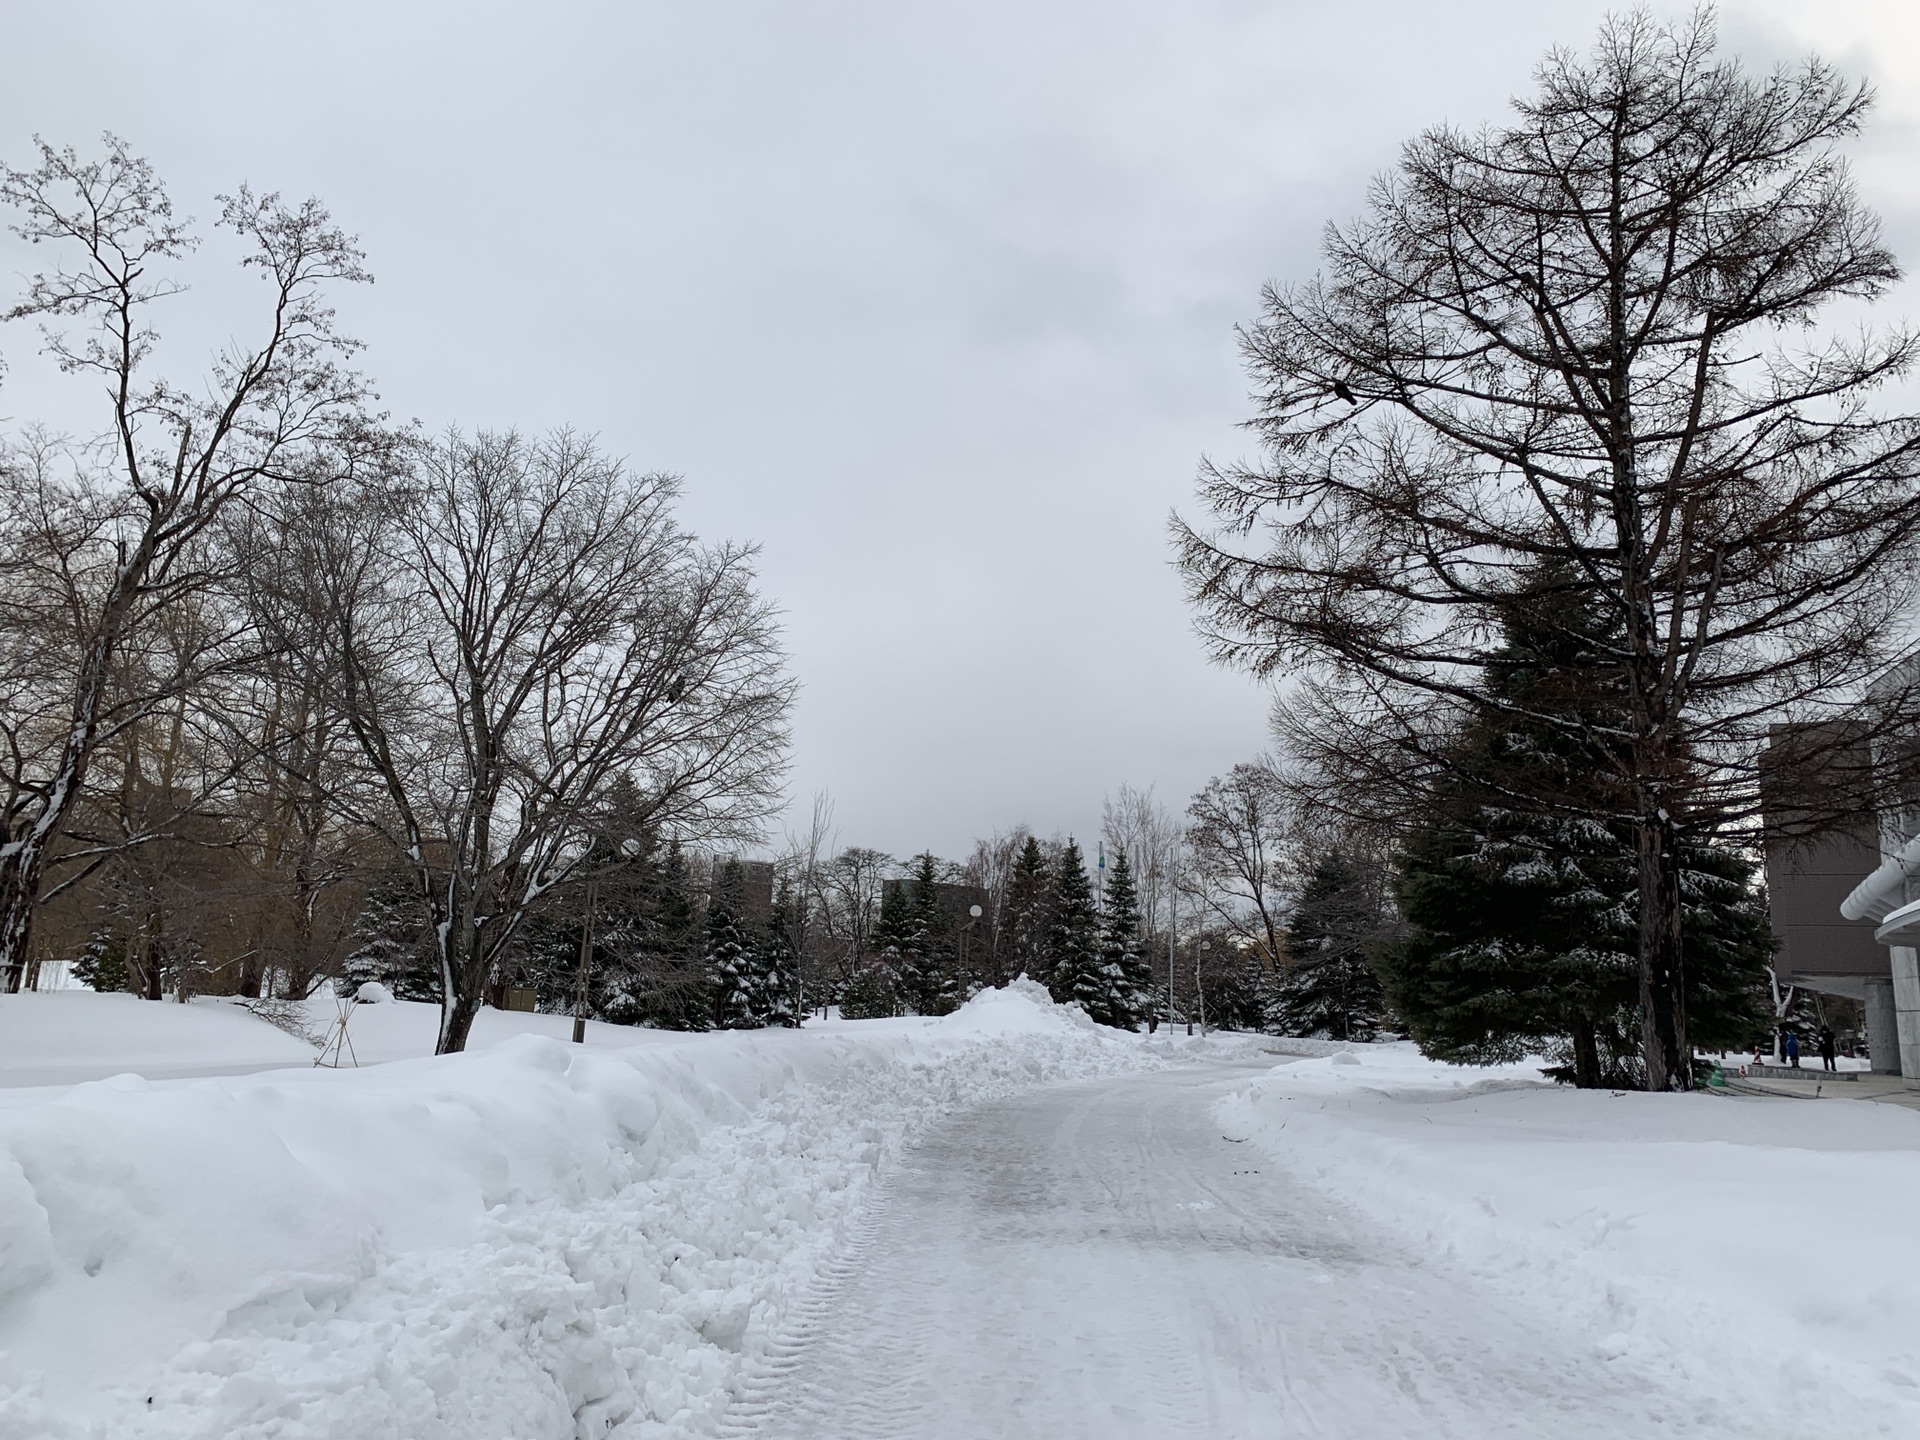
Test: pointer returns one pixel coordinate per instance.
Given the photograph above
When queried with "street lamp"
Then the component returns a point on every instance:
(974, 912)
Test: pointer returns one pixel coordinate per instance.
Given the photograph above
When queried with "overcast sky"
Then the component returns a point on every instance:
(934, 301)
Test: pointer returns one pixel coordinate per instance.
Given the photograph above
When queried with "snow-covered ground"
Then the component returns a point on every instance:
(1004, 1222)
(64, 1037)
(532, 1240)
(1737, 1246)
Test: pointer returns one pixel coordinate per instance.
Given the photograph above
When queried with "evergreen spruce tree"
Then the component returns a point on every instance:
(1242, 993)
(618, 884)
(679, 989)
(1073, 959)
(1023, 927)
(925, 947)
(621, 986)
(893, 933)
(102, 965)
(780, 960)
(869, 993)
(1519, 887)
(1328, 986)
(738, 999)
(390, 943)
(1124, 978)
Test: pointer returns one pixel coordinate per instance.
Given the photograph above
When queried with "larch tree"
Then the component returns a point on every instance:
(1235, 837)
(1592, 336)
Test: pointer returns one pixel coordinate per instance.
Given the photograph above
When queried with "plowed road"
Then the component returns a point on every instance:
(1100, 1261)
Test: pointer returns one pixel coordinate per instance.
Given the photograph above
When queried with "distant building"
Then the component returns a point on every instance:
(758, 889)
(968, 932)
(1813, 866)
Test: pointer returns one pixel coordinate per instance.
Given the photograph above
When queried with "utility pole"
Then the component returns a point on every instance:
(1173, 938)
(586, 950)
(1199, 995)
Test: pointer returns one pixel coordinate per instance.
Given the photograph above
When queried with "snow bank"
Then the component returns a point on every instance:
(537, 1240)
(1770, 1241)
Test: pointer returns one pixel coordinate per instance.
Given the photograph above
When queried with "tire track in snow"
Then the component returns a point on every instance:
(1096, 1262)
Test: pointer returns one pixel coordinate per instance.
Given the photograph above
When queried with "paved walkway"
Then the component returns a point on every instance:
(1098, 1262)
(1815, 1084)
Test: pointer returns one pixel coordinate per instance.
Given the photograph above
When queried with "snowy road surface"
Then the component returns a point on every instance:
(1099, 1260)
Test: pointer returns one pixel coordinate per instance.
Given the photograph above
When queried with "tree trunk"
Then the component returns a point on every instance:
(1663, 1011)
(19, 883)
(464, 980)
(457, 1013)
(1586, 1052)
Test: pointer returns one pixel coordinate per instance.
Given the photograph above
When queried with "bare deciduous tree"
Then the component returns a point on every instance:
(1153, 837)
(1586, 340)
(990, 868)
(109, 537)
(517, 626)
(1236, 840)
(854, 882)
(802, 866)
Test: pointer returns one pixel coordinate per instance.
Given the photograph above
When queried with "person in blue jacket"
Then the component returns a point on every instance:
(1793, 1049)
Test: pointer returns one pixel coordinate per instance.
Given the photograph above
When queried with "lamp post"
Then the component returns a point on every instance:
(586, 950)
(974, 912)
(1173, 947)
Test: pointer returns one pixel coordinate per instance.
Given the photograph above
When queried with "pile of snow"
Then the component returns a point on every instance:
(535, 1240)
(1768, 1240)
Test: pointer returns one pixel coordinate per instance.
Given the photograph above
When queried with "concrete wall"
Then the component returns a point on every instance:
(1806, 881)
(1883, 1026)
(1906, 1010)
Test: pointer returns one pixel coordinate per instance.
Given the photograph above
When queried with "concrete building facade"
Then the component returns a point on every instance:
(1813, 867)
(1889, 899)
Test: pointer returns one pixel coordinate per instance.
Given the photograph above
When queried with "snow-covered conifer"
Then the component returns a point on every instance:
(1328, 987)
(1518, 885)
(389, 943)
(102, 965)
(780, 959)
(679, 988)
(1073, 939)
(925, 965)
(732, 964)
(1124, 980)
